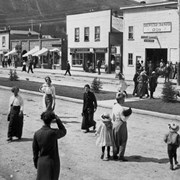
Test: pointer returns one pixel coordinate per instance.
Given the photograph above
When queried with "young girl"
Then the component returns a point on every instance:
(104, 132)
(173, 141)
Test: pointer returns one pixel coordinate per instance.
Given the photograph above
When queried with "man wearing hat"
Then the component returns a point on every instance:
(89, 107)
(173, 141)
(152, 84)
(120, 132)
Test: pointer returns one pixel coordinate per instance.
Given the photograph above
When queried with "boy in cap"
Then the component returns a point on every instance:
(173, 141)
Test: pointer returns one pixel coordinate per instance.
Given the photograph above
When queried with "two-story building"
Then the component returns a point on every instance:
(94, 36)
(151, 33)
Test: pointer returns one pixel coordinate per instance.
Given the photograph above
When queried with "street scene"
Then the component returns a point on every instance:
(90, 90)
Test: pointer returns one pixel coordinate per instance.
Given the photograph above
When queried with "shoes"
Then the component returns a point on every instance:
(102, 156)
(86, 131)
(9, 139)
(176, 162)
(122, 159)
(171, 167)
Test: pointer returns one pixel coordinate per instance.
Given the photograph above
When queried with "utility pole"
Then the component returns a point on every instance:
(178, 68)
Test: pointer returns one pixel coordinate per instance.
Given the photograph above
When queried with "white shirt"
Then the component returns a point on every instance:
(16, 101)
(48, 89)
(117, 113)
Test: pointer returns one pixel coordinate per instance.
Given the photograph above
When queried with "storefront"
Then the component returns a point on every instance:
(151, 33)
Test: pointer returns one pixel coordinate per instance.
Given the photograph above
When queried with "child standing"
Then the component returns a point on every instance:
(104, 132)
(173, 141)
(122, 84)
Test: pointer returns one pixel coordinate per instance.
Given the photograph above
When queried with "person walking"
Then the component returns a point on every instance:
(45, 147)
(135, 79)
(167, 72)
(105, 137)
(152, 84)
(49, 94)
(30, 61)
(16, 106)
(99, 62)
(120, 132)
(173, 141)
(89, 107)
(68, 67)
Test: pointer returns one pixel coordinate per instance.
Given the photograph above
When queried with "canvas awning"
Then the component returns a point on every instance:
(43, 51)
(32, 51)
(54, 50)
(13, 52)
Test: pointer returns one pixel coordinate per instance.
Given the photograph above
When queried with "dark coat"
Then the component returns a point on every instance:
(152, 83)
(68, 67)
(45, 152)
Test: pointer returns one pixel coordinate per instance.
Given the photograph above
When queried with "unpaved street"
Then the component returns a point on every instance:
(80, 158)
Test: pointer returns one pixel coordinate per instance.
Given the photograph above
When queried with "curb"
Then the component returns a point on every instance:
(136, 111)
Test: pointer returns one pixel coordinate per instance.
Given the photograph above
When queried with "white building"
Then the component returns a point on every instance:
(94, 36)
(151, 33)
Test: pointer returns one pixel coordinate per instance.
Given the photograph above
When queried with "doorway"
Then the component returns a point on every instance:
(155, 56)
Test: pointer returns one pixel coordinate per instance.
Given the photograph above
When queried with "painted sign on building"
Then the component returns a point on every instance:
(157, 27)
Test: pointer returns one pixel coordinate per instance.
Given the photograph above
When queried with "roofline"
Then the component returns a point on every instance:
(148, 5)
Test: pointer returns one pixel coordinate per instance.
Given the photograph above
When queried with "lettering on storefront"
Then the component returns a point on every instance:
(100, 50)
(73, 50)
(157, 27)
(148, 40)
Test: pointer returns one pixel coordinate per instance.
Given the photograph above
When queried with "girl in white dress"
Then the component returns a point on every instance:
(104, 133)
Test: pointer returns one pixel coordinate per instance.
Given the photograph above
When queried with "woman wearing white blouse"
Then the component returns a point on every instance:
(49, 95)
(16, 106)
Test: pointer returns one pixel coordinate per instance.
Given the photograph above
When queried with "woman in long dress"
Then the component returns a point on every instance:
(120, 132)
(16, 106)
(49, 94)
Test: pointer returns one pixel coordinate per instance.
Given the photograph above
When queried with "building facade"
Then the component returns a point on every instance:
(91, 37)
(151, 33)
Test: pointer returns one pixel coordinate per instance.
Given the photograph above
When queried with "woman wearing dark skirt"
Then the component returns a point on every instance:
(16, 106)
(49, 95)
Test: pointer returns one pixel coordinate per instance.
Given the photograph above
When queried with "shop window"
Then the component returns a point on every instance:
(3, 41)
(130, 59)
(130, 33)
(86, 34)
(97, 33)
(76, 34)
(77, 59)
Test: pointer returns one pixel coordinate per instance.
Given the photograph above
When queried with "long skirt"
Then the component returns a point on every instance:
(120, 133)
(15, 123)
(88, 120)
(49, 102)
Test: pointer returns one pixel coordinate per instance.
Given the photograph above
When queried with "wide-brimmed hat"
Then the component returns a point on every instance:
(120, 95)
(174, 127)
(105, 117)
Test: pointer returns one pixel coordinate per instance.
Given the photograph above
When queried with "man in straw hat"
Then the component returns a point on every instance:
(173, 141)
(120, 132)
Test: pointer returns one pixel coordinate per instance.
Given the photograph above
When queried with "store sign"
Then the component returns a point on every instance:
(100, 50)
(148, 40)
(73, 50)
(157, 27)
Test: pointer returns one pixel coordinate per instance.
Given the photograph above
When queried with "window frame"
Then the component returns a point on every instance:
(130, 59)
(77, 35)
(86, 34)
(131, 32)
(96, 33)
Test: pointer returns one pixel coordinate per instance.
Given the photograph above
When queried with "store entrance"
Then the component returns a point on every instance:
(155, 56)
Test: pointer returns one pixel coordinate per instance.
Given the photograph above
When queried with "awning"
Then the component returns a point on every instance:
(43, 51)
(13, 52)
(32, 51)
(54, 50)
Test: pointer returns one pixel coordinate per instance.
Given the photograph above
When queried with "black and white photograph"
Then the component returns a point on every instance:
(89, 89)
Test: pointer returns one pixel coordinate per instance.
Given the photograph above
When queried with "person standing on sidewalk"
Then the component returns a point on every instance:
(68, 67)
(152, 84)
(16, 106)
(99, 62)
(45, 147)
(173, 141)
(120, 132)
(89, 107)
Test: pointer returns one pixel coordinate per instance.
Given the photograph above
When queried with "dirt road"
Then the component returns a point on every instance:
(80, 158)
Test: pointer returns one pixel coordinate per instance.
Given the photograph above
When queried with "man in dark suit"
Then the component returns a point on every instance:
(68, 67)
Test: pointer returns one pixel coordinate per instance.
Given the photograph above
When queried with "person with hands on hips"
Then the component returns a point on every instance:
(89, 107)
(45, 147)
